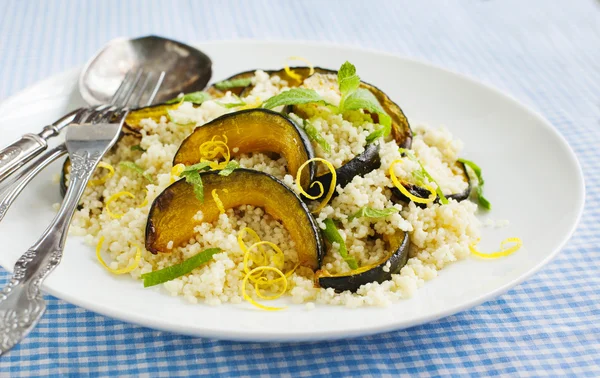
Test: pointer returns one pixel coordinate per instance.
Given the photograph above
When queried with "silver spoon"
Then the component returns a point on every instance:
(188, 70)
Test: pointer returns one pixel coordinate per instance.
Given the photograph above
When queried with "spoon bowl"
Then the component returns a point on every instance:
(187, 68)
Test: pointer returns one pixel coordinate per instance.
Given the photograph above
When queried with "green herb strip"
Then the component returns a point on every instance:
(194, 97)
(136, 168)
(483, 202)
(314, 135)
(174, 271)
(235, 83)
(332, 234)
(368, 212)
(421, 174)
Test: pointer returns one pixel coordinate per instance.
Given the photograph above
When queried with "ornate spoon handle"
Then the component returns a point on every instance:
(21, 301)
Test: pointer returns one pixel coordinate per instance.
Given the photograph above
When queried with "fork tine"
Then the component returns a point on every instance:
(161, 77)
(135, 101)
(121, 88)
(130, 92)
(123, 100)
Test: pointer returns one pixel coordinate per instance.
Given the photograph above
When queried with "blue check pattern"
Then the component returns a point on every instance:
(545, 53)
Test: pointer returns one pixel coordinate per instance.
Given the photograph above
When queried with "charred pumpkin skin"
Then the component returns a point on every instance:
(360, 165)
(172, 212)
(253, 130)
(418, 191)
(398, 243)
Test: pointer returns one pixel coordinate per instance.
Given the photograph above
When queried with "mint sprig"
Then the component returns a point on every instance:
(348, 81)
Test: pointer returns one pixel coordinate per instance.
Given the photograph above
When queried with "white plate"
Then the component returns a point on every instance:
(532, 178)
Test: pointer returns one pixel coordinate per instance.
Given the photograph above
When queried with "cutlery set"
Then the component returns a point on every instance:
(89, 133)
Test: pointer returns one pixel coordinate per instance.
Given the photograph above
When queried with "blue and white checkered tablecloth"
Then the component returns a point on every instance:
(545, 53)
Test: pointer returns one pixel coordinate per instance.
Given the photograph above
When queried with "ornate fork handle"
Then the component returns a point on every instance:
(21, 301)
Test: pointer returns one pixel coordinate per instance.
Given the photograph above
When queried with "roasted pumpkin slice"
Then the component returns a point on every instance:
(135, 117)
(171, 217)
(253, 130)
(421, 192)
(398, 244)
(360, 165)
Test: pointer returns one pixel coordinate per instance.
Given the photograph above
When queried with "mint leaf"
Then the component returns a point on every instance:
(348, 81)
(136, 168)
(363, 99)
(229, 168)
(368, 212)
(483, 202)
(194, 97)
(315, 136)
(235, 83)
(294, 96)
(332, 234)
(382, 131)
(192, 177)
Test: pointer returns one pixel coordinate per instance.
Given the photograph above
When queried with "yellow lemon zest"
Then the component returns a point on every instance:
(252, 273)
(504, 251)
(254, 235)
(103, 179)
(132, 266)
(218, 201)
(291, 73)
(257, 102)
(331, 187)
(176, 171)
(116, 196)
(211, 149)
(145, 202)
(401, 188)
(256, 275)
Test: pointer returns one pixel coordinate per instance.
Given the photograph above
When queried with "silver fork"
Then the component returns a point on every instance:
(21, 301)
(123, 94)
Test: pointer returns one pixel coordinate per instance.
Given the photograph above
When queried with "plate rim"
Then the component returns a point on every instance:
(291, 335)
